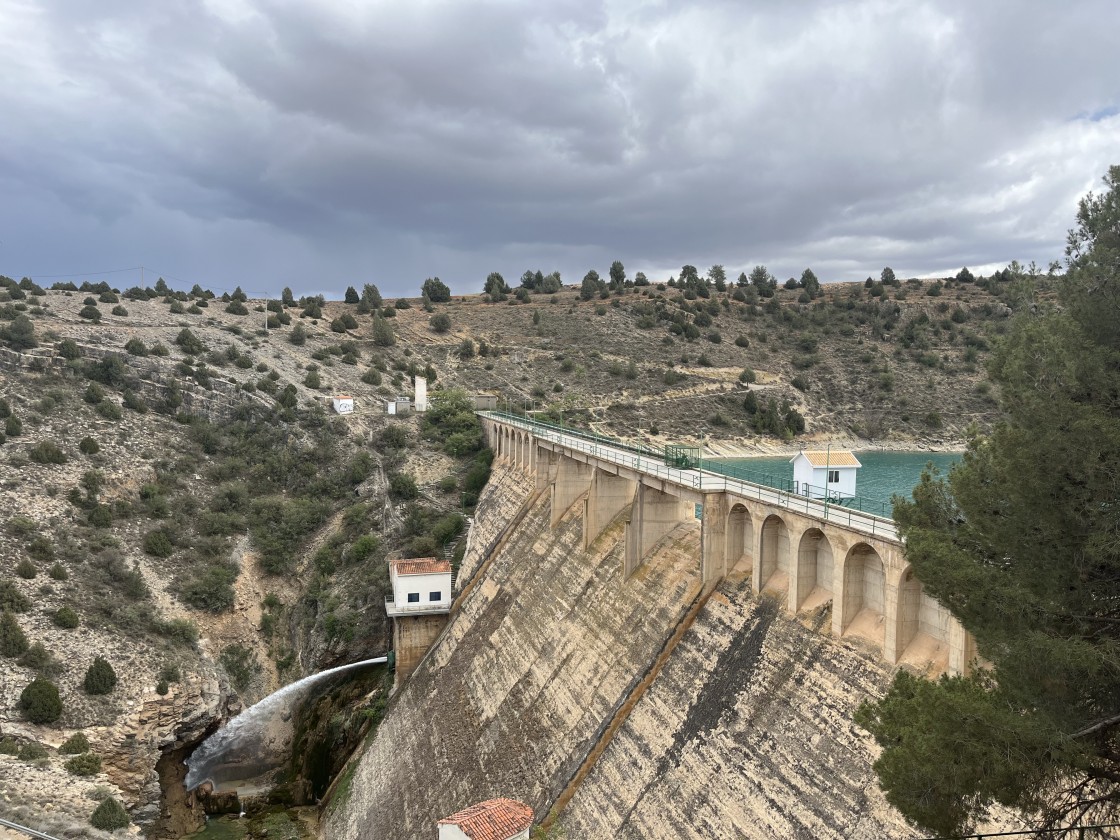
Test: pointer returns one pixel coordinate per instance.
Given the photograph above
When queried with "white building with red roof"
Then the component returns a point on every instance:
(420, 608)
(494, 819)
(421, 586)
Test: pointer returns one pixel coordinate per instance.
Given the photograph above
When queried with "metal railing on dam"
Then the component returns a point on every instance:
(653, 462)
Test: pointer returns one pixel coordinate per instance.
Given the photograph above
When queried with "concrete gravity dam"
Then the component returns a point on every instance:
(609, 663)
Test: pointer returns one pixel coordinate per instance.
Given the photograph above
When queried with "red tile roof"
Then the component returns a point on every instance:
(494, 819)
(422, 566)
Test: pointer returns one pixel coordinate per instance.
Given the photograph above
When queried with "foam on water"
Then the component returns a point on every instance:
(238, 739)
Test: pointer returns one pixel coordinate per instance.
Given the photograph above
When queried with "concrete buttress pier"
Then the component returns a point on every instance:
(654, 515)
(573, 479)
(608, 496)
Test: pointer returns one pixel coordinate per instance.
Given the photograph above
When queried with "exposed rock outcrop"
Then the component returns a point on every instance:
(131, 748)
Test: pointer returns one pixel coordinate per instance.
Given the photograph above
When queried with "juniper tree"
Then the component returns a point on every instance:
(100, 677)
(495, 286)
(718, 277)
(591, 285)
(436, 290)
(370, 300)
(13, 642)
(110, 815)
(1020, 544)
(810, 283)
(617, 275)
(40, 701)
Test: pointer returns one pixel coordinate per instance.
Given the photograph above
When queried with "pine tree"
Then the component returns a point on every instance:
(1020, 544)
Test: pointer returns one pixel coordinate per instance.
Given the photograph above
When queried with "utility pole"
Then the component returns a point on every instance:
(827, 475)
(141, 277)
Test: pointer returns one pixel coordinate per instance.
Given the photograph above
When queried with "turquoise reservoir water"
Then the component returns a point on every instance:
(882, 475)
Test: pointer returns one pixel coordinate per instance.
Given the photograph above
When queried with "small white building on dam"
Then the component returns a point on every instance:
(831, 472)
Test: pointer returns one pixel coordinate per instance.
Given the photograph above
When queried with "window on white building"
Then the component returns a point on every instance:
(414, 597)
(834, 476)
(434, 596)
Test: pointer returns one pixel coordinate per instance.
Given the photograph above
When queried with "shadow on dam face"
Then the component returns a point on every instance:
(240, 755)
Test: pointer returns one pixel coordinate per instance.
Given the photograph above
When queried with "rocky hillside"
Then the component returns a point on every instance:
(179, 500)
(872, 365)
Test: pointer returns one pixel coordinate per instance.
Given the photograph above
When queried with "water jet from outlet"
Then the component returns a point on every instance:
(259, 739)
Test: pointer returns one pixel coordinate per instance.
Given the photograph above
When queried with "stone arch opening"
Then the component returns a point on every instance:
(922, 633)
(814, 571)
(863, 606)
(774, 555)
(740, 540)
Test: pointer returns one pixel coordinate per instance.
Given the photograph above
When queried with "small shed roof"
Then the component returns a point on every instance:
(494, 819)
(342, 397)
(835, 458)
(422, 566)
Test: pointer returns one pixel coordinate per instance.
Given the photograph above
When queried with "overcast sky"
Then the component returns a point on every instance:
(330, 143)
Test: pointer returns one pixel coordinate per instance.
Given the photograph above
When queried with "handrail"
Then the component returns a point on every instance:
(30, 832)
(651, 462)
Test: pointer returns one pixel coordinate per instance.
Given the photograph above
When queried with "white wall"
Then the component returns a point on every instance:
(452, 832)
(847, 485)
(805, 473)
(424, 585)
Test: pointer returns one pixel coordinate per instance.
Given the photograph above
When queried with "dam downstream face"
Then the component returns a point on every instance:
(745, 732)
(259, 740)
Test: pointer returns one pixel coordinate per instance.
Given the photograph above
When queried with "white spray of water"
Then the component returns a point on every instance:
(250, 728)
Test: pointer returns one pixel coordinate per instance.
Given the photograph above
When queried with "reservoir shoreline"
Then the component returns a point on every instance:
(731, 449)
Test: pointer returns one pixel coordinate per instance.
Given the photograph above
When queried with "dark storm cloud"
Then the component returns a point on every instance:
(319, 144)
